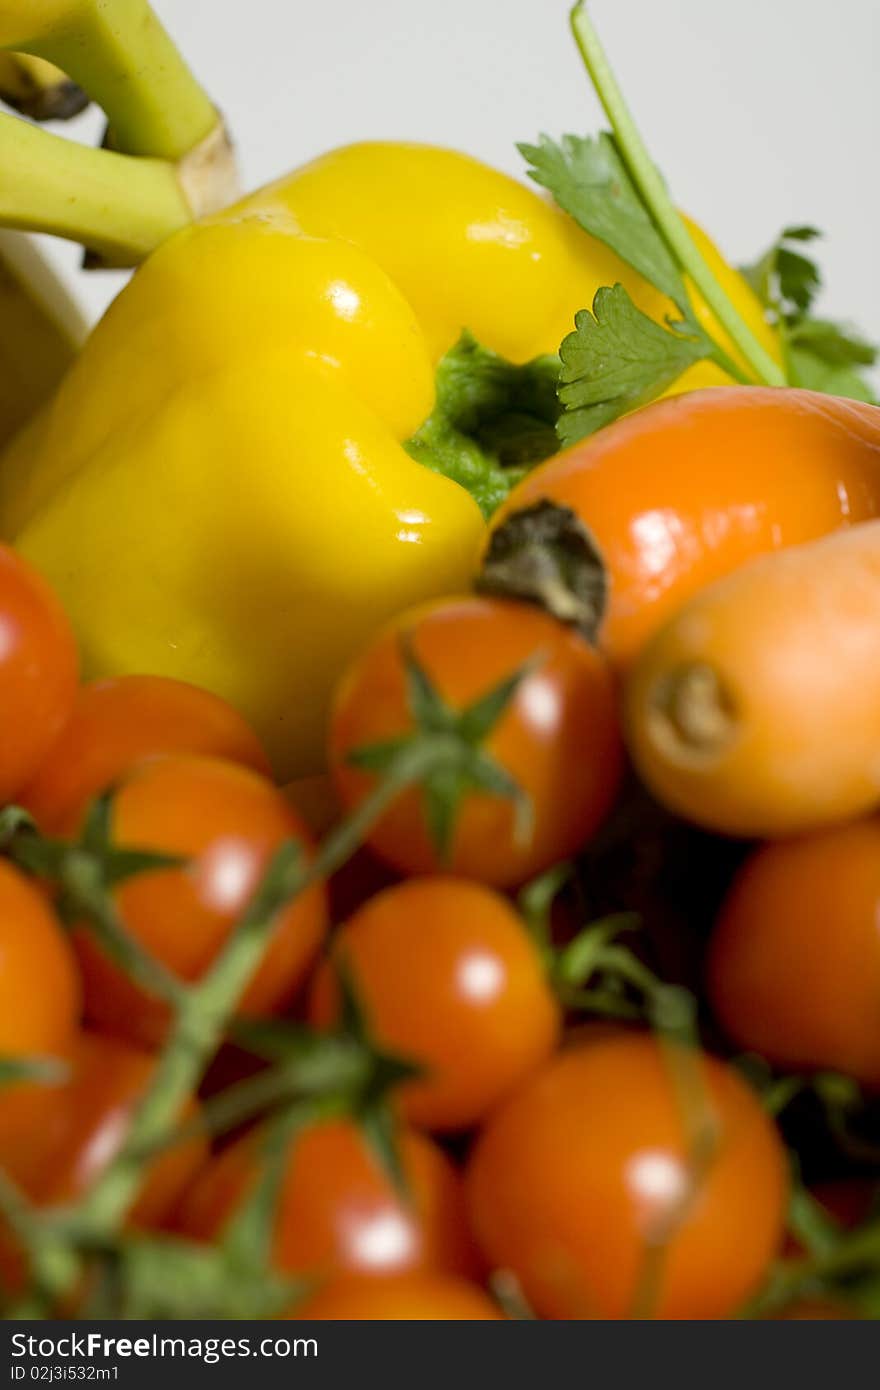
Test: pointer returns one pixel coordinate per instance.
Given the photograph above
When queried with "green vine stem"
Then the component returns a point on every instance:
(119, 52)
(664, 212)
(119, 207)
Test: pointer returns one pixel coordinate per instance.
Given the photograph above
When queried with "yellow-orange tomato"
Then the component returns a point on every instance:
(589, 1166)
(338, 1212)
(794, 962)
(558, 738)
(683, 492)
(227, 822)
(40, 995)
(406, 1298)
(115, 724)
(448, 977)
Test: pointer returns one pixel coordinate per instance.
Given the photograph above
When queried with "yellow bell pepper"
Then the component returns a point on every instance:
(220, 491)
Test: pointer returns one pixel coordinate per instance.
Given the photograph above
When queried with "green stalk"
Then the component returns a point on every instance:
(119, 52)
(121, 208)
(664, 212)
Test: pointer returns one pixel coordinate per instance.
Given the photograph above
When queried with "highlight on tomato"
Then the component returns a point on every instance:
(518, 714)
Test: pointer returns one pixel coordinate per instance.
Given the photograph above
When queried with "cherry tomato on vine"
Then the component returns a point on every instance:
(80, 1132)
(227, 822)
(116, 724)
(556, 739)
(588, 1186)
(404, 1298)
(794, 962)
(448, 977)
(40, 994)
(338, 1212)
(38, 671)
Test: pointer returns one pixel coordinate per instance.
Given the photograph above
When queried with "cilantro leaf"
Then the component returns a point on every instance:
(492, 420)
(785, 281)
(618, 359)
(820, 354)
(589, 181)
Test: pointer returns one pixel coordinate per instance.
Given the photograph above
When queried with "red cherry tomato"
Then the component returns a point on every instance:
(118, 723)
(406, 1298)
(577, 1174)
(338, 1212)
(558, 739)
(40, 994)
(38, 671)
(448, 977)
(794, 962)
(227, 822)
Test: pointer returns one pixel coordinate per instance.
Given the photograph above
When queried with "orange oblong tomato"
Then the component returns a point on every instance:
(685, 491)
(794, 960)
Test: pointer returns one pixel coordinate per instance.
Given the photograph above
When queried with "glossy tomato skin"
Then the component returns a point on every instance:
(794, 961)
(449, 977)
(571, 1176)
(40, 994)
(38, 671)
(338, 1213)
(405, 1298)
(117, 723)
(227, 822)
(559, 737)
(685, 491)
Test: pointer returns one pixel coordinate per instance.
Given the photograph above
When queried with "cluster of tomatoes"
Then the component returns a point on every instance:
(555, 1154)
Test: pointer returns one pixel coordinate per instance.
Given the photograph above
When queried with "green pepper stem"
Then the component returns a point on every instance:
(120, 53)
(121, 208)
(664, 212)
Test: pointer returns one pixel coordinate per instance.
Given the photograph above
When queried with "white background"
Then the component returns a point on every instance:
(759, 112)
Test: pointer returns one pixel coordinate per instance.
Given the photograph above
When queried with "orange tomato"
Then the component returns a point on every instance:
(558, 738)
(227, 822)
(116, 724)
(338, 1213)
(448, 977)
(683, 492)
(38, 671)
(577, 1176)
(794, 961)
(406, 1298)
(40, 995)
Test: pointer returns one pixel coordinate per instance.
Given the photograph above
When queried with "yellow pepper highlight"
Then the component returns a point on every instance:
(220, 492)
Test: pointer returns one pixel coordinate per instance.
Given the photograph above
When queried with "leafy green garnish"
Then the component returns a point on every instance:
(617, 359)
(820, 354)
(493, 420)
(589, 181)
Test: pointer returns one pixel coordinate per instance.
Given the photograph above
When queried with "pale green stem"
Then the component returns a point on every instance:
(121, 208)
(119, 52)
(668, 219)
